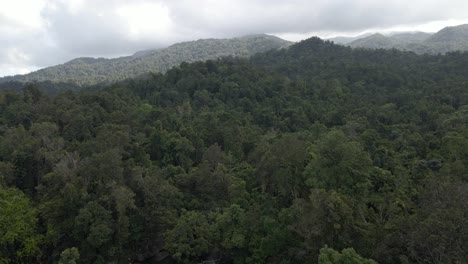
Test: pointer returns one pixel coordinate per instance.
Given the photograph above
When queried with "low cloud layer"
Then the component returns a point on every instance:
(40, 33)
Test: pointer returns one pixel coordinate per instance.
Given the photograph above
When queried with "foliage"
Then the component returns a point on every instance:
(88, 71)
(448, 39)
(19, 238)
(260, 160)
(347, 256)
(69, 256)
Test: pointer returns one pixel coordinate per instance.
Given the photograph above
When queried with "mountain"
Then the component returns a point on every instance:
(374, 41)
(410, 37)
(398, 41)
(346, 40)
(452, 34)
(446, 40)
(86, 71)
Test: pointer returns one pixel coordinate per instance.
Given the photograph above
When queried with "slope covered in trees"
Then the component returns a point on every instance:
(314, 154)
(86, 71)
(446, 40)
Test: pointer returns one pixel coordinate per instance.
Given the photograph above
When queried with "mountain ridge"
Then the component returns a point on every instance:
(448, 39)
(89, 71)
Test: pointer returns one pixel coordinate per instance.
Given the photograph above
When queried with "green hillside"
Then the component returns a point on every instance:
(446, 40)
(375, 41)
(86, 71)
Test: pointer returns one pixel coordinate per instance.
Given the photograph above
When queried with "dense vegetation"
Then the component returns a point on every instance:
(400, 41)
(86, 71)
(446, 40)
(313, 154)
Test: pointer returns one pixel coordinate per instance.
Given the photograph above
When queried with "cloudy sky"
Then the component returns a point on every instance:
(40, 33)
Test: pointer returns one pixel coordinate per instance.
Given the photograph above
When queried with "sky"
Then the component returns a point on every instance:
(41, 33)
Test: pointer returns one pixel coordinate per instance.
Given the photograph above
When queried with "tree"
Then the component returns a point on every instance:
(339, 164)
(347, 256)
(438, 233)
(69, 256)
(19, 238)
(94, 229)
(191, 238)
(280, 164)
(326, 217)
(231, 225)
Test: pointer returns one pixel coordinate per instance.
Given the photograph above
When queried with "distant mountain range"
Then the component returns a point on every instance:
(88, 71)
(446, 40)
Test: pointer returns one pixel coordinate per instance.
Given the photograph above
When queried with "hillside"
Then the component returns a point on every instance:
(345, 40)
(410, 37)
(86, 71)
(375, 41)
(410, 41)
(318, 153)
(446, 40)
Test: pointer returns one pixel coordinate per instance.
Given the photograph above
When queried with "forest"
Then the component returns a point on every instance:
(316, 153)
(448, 39)
(87, 71)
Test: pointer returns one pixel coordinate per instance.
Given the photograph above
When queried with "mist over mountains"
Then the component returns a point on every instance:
(87, 71)
(446, 40)
(91, 71)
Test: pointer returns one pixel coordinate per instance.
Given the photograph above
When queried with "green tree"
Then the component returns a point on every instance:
(326, 217)
(438, 232)
(94, 229)
(69, 256)
(339, 164)
(191, 238)
(280, 164)
(231, 225)
(19, 238)
(347, 256)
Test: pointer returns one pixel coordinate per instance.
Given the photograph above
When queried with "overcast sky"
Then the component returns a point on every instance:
(40, 33)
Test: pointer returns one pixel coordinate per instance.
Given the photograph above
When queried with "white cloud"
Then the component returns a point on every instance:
(23, 13)
(146, 20)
